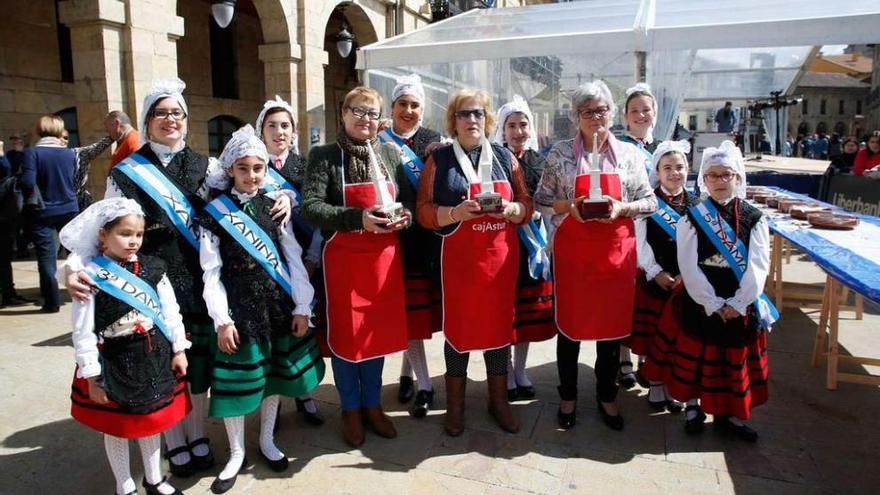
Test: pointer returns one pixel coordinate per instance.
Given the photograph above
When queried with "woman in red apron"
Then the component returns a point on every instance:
(533, 321)
(363, 270)
(594, 261)
(479, 252)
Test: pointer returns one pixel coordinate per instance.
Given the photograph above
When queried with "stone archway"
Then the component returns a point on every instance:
(340, 74)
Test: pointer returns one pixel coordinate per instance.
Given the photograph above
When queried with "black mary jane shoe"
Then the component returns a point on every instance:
(423, 403)
(613, 422)
(640, 377)
(525, 391)
(278, 466)
(154, 489)
(223, 486)
(743, 432)
(180, 470)
(567, 420)
(694, 426)
(626, 380)
(669, 405)
(512, 394)
(312, 418)
(201, 462)
(405, 391)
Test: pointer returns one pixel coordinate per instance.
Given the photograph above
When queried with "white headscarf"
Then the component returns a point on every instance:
(642, 88)
(244, 142)
(162, 88)
(683, 147)
(269, 105)
(726, 155)
(80, 235)
(409, 85)
(517, 105)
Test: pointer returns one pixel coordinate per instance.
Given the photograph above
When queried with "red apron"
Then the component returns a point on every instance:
(363, 285)
(479, 265)
(594, 270)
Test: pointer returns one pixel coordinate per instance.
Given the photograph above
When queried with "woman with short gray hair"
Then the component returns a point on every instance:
(593, 244)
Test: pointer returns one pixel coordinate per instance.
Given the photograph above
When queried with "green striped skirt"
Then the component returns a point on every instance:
(286, 365)
(200, 357)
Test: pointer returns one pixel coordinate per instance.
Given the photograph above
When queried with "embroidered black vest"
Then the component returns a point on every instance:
(664, 247)
(109, 309)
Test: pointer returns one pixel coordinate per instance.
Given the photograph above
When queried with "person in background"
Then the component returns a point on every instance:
(48, 169)
(84, 157)
(118, 126)
(842, 164)
(9, 221)
(725, 118)
(834, 146)
(820, 147)
(869, 157)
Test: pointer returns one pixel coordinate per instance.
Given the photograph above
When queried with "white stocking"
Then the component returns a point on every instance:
(520, 354)
(151, 457)
(405, 366)
(174, 438)
(625, 356)
(309, 403)
(195, 423)
(692, 414)
(235, 432)
(117, 455)
(415, 355)
(268, 413)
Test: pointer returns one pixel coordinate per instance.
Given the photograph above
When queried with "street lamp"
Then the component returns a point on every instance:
(344, 41)
(222, 11)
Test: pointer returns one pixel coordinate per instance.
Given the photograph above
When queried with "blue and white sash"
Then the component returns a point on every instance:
(666, 217)
(121, 284)
(412, 164)
(737, 256)
(274, 181)
(165, 193)
(252, 238)
(534, 236)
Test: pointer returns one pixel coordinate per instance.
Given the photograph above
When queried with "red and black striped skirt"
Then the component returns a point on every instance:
(533, 319)
(729, 381)
(649, 304)
(424, 315)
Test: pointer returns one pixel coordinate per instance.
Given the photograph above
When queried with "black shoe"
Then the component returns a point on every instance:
(154, 489)
(405, 391)
(278, 466)
(201, 462)
(673, 406)
(694, 426)
(640, 378)
(223, 486)
(659, 405)
(312, 418)
(613, 422)
(15, 300)
(567, 420)
(423, 403)
(512, 395)
(525, 391)
(49, 309)
(742, 432)
(626, 380)
(180, 470)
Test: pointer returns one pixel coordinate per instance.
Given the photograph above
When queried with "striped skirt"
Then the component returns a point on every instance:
(650, 300)
(729, 381)
(286, 365)
(423, 313)
(533, 313)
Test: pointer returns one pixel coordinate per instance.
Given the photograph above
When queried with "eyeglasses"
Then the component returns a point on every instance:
(593, 113)
(726, 177)
(477, 113)
(365, 113)
(164, 114)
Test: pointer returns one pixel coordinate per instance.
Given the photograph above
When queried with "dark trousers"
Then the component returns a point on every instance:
(7, 239)
(43, 231)
(607, 363)
(457, 362)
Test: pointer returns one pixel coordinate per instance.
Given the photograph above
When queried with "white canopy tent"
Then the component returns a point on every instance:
(689, 50)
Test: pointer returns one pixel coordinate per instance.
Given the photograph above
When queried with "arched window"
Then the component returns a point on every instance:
(68, 115)
(220, 129)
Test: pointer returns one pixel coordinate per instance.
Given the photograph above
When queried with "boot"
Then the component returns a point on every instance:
(379, 422)
(353, 428)
(455, 388)
(498, 405)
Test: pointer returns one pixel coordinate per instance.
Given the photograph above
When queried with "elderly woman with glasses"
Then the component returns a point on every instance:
(347, 188)
(474, 195)
(594, 258)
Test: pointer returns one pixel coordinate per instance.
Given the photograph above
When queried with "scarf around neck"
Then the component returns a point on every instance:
(358, 167)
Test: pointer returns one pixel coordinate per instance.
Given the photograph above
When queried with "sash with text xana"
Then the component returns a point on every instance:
(165, 193)
(736, 255)
(121, 284)
(275, 181)
(252, 238)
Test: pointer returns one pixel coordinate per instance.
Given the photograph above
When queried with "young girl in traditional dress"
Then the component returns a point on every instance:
(658, 264)
(258, 294)
(129, 342)
(716, 328)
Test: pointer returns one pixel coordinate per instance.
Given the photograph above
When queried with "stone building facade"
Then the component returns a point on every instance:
(83, 58)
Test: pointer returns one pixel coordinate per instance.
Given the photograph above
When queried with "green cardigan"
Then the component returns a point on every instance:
(322, 190)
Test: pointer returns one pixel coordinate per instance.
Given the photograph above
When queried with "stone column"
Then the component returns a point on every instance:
(96, 32)
(310, 77)
(281, 64)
